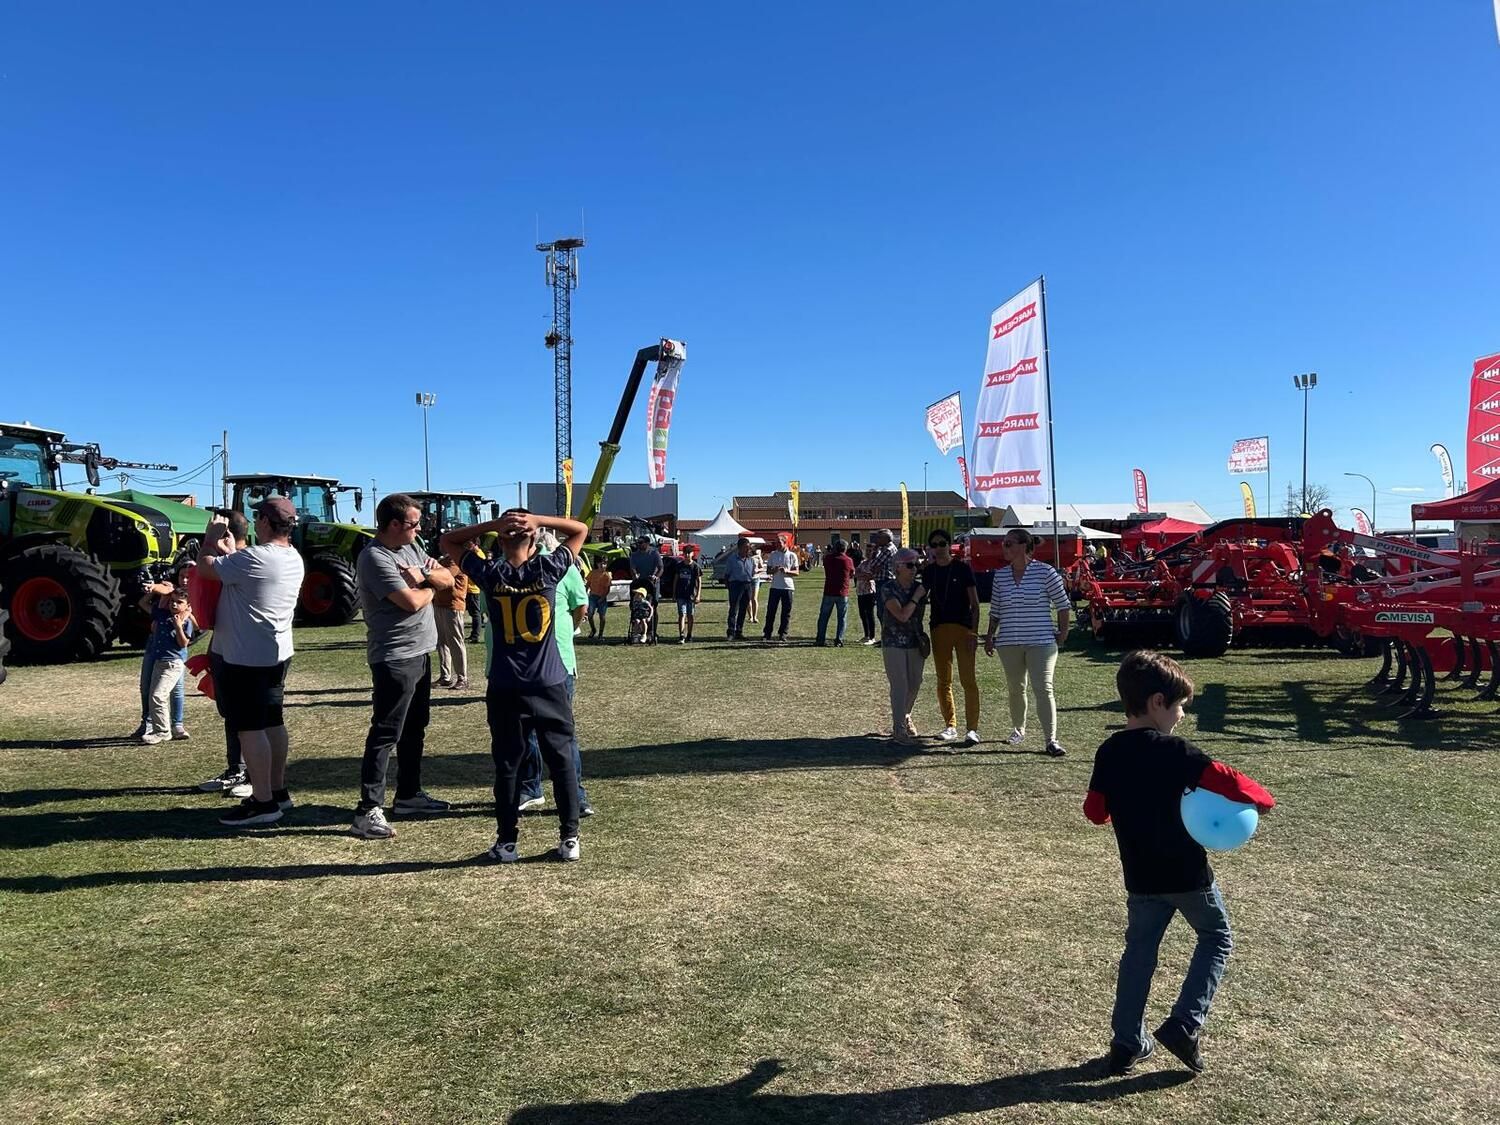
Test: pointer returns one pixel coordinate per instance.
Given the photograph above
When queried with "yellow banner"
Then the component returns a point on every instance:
(1249, 498)
(795, 507)
(568, 487)
(905, 517)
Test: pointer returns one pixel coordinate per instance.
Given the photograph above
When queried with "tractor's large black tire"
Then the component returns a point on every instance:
(1204, 626)
(133, 628)
(4, 641)
(330, 592)
(91, 597)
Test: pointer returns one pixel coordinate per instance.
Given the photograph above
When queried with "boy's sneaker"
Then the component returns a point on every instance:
(1175, 1038)
(586, 809)
(226, 780)
(151, 738)
(531, 803)
(283, 799)
(461, 683)
(240, 790)
(180, 733)
(419, 802)
(1122, 1060)
(1055, 749)
(567, 850)
(503, 853)
(251, 813)
(948, 734)
(1017, 736)
(140, 731)
(371, 825)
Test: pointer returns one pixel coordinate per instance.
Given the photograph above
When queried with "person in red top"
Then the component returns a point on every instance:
(838, 572)
(1139, 777)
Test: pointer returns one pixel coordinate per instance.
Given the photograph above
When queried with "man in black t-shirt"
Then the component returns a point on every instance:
(527, 690)
(1139, 777)
(955, 633)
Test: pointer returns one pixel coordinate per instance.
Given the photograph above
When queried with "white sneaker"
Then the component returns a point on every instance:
(1017, 736)
(503, 853)
(948, 734)
(372, 825)
(972, 738)
(151, 738)
(242, 790)
(567, 851)
(534, 803)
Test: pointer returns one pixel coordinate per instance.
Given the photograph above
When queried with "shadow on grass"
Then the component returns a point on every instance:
(51, 884)
(740, 1102)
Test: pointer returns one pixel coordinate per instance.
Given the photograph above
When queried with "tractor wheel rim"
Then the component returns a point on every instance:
(41, 609)
(317, 594)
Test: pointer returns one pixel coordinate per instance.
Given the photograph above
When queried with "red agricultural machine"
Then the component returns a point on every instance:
(1203, 591)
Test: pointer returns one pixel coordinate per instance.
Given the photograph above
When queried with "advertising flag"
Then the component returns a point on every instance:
(568, 485)
(1249, 498)
(963, 470)
(1251, 455)
(1142, 504)
(659, 403)
(794, 505)
(1011, 429)
(905, 517)
(945, 422)
(1445, 466)
(1362, 523)
(1484, 422)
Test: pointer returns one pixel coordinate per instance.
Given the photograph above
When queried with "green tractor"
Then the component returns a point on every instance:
(443, 511)
(329, 549)
(72, 565)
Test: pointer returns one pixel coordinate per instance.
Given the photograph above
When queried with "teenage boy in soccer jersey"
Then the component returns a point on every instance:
(527, 682)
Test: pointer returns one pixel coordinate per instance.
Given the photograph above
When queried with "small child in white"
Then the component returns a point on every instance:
(640, 616)
(172, 630)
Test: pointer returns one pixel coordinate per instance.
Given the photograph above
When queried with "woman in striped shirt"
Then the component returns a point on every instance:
(1023, 597)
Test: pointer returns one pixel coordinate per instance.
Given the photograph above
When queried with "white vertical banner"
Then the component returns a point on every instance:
(659, 404)
(1362, 525)
(1010, 435)
(945, 422)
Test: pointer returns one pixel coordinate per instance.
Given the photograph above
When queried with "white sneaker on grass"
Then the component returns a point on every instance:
(241, 789)
(503, 853)
(567, 850)
(372, 825)
(948, 734)
(226, 780)
(533, 803)
(152, 738)
(1017, 736)
(972, 738)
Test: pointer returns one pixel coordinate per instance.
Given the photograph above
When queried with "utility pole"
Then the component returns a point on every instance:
(1304, 383)
(224, 445)
(426, 400)
(213, 465)
(562, 276)
(924, 488)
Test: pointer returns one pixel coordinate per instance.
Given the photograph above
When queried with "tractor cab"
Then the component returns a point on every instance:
(443, 511)
(329, 549)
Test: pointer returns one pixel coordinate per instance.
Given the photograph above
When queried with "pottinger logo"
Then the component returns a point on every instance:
(1020, 478)
(1010, 425)
(1015, 320)
(1011, 374)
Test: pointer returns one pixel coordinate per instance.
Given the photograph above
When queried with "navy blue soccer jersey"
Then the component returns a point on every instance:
(519, 600)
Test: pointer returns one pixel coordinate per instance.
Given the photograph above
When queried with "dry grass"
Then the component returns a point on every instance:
(777, 917)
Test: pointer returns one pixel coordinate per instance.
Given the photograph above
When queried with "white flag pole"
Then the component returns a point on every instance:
(963, 440)
(1051, 451)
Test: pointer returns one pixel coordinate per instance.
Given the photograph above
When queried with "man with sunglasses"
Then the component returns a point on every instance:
(397, 582)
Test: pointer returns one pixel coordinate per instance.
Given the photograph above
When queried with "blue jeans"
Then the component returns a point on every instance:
(739, 603)
(830, 603)
(1147, 919)
(531, 764)
(148, 662)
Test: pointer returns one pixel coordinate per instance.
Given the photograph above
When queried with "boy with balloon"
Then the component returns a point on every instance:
(1168, 800)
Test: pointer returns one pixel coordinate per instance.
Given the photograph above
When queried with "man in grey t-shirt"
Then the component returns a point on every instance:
(396, 584)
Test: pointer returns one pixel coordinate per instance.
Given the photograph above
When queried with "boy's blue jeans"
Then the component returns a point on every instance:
(148, 662)
(1147, 920)
(830, 603)
(531, 765)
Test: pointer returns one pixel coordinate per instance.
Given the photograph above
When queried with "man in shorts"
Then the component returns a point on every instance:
(688, 583)
(253, 641)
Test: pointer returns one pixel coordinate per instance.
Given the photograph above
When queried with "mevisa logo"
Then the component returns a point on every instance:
(1026, 366)
(1012, 424)
(1014, 321)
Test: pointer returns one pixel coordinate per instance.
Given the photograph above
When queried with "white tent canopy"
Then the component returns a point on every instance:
(723, 524)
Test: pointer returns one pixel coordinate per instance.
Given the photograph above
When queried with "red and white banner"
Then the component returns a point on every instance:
(1010, 437)
(1484, 422)
(963, 468)
(1142, 503)
(1250, 455)
(945, 422)
(659, 405)
(1362, 524)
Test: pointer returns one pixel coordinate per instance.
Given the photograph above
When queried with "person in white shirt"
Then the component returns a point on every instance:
(782, 567)
(1024, 595)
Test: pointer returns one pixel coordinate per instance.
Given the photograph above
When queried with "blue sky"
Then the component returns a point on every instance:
(286, 219)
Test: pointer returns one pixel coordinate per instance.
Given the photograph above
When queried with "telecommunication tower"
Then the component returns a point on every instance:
(562, 276)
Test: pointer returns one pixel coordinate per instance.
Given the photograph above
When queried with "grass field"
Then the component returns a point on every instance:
(778, 917)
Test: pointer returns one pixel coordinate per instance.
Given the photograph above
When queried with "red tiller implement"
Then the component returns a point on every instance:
(1434, 614)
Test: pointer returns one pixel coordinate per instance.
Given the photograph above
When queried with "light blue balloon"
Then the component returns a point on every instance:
(1216, 822)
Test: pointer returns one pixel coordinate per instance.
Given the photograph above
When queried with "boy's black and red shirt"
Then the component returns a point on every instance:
(519, 600)
(1138, 781)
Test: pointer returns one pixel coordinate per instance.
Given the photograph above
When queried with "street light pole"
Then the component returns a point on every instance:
(426, 400)
(1374, 527)
(1304, 383)
(924, 488)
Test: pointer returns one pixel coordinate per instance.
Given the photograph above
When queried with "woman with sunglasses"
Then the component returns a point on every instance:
(902, 600)
(1023, 597)
(955, 634)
